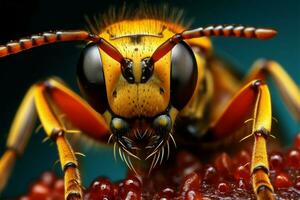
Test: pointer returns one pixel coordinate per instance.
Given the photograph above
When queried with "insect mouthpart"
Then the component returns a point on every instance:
(142, 138)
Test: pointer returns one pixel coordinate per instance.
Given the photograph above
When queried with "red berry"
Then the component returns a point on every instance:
(24, 198)
(297, 185)
(223, 164)
(131, 195)
(59, 186)
(56, 196)
(187, 163)
(276, 161)
(130, 188)
(48, 178)
(193, 195)
(184, 158)
(195, 166)
(191, 182)
(130, 184)
(293, 158)
(115, 191)
(133, 183)
(297, 141)
(223, 188)
(101, 188)
(58, 190)
(39, 191)
(87, 196)
(165, 194)
(242, 172)
(242, 184)
(210, 174)
(242, 158)
(282, 181)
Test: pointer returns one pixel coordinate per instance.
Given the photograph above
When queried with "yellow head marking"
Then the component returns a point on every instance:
(136, 41)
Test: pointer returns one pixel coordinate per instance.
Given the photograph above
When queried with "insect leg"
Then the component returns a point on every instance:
(18, 136)
(56, 131)
(53, 93)
(69, 166)
(253, 98)
(288, 89)
(261, 129)
(40, 100)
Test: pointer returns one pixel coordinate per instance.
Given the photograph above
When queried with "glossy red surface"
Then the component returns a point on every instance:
(187, 178)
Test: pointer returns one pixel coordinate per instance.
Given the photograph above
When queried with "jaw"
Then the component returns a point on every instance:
(142, 140)
(143, 147)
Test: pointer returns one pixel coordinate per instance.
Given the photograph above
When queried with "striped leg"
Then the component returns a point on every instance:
(55, 130)
(69, 165)
(253, 98)
(80, 114)
(261, 129)
(18, 136)
(45, 100)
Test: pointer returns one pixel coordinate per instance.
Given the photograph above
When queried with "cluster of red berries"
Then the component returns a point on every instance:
(47, 187)
(189, 179)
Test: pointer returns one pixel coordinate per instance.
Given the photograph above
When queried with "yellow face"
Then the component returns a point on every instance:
(138, 99)
(141, 111)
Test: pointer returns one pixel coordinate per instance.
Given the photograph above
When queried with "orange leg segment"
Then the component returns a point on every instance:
(69, 165)
(86, 119)
(288, 89)
(46, 100)
(19, 133)
(255, 97)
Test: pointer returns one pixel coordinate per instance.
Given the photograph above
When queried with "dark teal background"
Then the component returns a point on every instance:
(17, 73)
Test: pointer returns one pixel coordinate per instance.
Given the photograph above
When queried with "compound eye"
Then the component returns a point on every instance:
(91, 78)
(184, 74)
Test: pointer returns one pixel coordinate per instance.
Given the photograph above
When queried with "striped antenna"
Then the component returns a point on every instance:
(227, 31)
(59, 36)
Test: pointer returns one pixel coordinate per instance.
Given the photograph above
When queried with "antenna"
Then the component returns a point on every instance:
(220, 30)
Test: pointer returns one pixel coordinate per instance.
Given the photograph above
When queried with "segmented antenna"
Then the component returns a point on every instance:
(59, 36)
(227, 31)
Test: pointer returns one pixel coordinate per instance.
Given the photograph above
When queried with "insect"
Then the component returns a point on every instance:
(140, 78)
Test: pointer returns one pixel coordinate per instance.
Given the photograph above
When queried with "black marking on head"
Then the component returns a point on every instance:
(136, 39)
(138, 35)
(147, 69)
(127, 70)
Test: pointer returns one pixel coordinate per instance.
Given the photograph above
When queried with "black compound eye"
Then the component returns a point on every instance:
(184, 74)
(91, 78)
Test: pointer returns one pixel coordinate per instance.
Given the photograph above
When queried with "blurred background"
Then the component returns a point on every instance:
(23, 18)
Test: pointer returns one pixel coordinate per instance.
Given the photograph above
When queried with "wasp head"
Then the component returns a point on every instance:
(139, 97)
